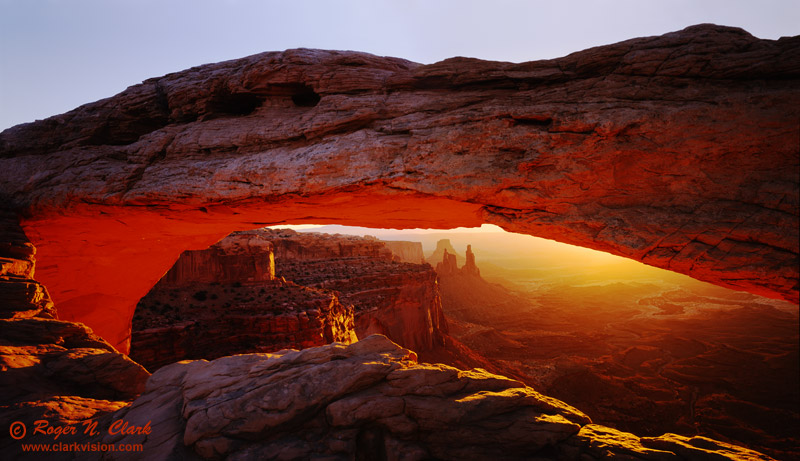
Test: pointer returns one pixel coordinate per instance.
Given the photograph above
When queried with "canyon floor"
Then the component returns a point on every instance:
(635, 348)
(653, 353)
(645, 353)
(678, 150)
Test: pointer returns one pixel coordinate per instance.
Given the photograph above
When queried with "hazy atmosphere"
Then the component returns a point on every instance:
(375, 230)
(56, 55)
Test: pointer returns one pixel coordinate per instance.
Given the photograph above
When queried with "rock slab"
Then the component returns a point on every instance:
(372, 400)
(680, 151)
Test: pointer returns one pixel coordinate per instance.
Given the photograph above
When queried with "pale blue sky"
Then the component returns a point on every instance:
(58, 54)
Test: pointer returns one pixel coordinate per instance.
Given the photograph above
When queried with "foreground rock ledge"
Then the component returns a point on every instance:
(680, 151)
(331, 402)
(371, 400)
(50, 369)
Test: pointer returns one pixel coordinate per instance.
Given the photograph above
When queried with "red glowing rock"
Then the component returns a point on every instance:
(225, 300)
(373, 400)
(397, 299)
(366, 399)
(409, 252)
(50, 370)
(680, 151)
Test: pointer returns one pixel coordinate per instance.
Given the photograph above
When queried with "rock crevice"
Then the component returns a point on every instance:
(368, 399)
(373, 399)
(680, 151)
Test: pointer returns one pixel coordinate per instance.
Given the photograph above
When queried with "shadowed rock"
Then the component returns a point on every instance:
(372, 399)
(397, 299)
(368, 400)
(50, 370)
(680, 151)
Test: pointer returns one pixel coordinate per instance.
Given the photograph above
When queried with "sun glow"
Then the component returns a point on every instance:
(499, 251)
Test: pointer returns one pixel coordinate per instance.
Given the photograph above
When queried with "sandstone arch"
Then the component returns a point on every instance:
(680, 151)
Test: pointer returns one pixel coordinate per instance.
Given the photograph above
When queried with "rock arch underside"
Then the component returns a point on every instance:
(680, 151)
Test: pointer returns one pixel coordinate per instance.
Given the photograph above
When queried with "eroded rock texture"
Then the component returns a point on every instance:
(225, 300)
(329, 288)
(50, 369)
(291, 246)
(372, 400)
(397, 299)
(407, 252)
(680, 151)
(244, 258)
(369, 400)
(213, 320)
(347, 287)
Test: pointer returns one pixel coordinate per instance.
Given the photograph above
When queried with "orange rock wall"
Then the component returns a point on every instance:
(396, 299)
(231, 260)
(411, 314)
(268, 317)
(408, 252)
(680, 151)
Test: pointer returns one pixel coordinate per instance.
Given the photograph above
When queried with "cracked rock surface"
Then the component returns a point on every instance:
(680, 151)
(51, 370)
(368, 400)
(372, 400)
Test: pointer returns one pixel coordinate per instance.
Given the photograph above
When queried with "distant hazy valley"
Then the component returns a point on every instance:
(635, 347)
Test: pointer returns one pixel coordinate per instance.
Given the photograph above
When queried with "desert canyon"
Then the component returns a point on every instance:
(133, 237)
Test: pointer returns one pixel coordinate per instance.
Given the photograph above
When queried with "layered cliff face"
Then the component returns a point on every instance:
(214, 320)
(396, 299)
(240, 258)
(225, 300)
(407, 252)
(330, 288)
(369, 400)
(22, 296)
(403, 304)
(293, 246)
(50, 368)
(679, 151)
(367, 290)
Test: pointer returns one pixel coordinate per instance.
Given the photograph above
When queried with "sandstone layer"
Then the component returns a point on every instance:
(680, 151)
(329, 288)
(50, 368)
(397, 299)
(225, 300)
(372, 401)
(359, 289)
(291, 246)
(407, 252)
(241, 259)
